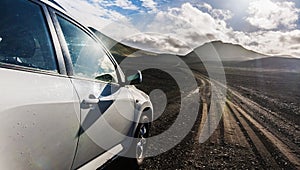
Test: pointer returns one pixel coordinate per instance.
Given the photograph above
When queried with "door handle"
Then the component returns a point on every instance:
(90, 101)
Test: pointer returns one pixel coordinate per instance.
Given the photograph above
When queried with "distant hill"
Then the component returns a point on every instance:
(119, 50)
(225, 51)
(232, 55)
(277, 62)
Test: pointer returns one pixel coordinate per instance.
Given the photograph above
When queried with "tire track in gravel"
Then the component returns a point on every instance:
(238, 127)
(242, 139)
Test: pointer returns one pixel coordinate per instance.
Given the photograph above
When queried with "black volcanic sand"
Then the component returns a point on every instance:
(277, 91)
(188, 154)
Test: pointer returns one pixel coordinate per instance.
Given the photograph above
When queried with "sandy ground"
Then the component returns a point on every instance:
(259, 129)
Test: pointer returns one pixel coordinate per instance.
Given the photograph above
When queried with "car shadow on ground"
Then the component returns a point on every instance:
(121, 163)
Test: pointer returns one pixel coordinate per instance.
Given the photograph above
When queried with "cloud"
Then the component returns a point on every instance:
(185, 24)
(92, 13)
(119, 31)
(158, 43)
(267, 14)
(125, 4)
(205, 6)
(253, 43)
(271, 42)
(149, 4)
(179, 29)
(85, 12)
(295, 47)
(296, 39)
(193, 27)
(220, 14)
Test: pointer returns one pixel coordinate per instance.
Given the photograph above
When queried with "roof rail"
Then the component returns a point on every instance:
(57, 4)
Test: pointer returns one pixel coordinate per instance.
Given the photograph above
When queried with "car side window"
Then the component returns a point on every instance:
(24, 36)
(88, 58)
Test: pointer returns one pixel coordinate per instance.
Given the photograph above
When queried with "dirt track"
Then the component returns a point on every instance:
(242, 125)
(248, 136)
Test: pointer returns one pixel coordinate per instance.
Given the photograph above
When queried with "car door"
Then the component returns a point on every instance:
(39, 108)
(107, 109)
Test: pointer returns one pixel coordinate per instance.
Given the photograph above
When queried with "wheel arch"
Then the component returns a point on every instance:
(144, 109)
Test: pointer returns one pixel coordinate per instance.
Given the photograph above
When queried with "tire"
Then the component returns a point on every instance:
(139, 145)
(142, 133)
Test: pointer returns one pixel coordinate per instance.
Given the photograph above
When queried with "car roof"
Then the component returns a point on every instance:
(55, 5)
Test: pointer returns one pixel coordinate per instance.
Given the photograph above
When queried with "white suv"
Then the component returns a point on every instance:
(65, 103)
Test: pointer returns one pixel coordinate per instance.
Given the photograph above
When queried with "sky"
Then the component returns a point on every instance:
(270, 27)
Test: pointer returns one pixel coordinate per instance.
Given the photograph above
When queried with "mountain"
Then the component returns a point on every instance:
(277, 62)
(231, 55)
(119, 50)
(226, 52)
(207, 52)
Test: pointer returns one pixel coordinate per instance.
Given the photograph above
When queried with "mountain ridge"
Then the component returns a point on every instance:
(218, 50)
(274, 62)
(232, 55)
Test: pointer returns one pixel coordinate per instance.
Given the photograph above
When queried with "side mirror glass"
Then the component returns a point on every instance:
(135, 78)
(105, 77)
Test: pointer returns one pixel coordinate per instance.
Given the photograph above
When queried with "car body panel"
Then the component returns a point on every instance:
(44, 122)
(39, 120)
(105, 124)
(143, 104)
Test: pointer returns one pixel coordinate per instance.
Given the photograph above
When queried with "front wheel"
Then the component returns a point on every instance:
(142, 133)
(139, 145)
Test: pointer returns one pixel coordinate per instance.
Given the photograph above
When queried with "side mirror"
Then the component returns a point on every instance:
(135, 78)
(105, 77)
